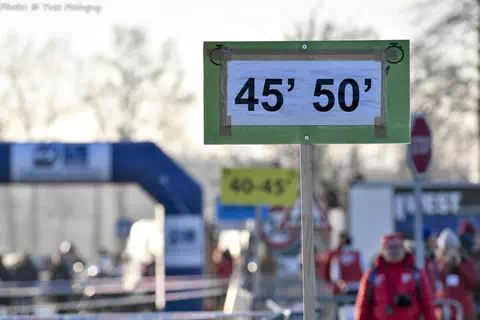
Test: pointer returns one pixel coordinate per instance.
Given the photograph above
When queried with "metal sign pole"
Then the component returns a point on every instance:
(419, 241)
(257, 275)
(306, 191)
(160, 298)
(419, 154)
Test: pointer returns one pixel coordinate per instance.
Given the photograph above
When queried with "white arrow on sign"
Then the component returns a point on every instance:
(292, 220)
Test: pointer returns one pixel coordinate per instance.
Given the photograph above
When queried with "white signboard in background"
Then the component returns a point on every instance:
(304, 93)
(45, 162)
(184, 241)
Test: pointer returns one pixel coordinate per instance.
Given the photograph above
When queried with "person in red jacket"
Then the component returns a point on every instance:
(343, 267)
(225, 266)
(394, 288)
(458, 276)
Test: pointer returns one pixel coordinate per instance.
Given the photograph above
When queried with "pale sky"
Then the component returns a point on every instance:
(190, 22)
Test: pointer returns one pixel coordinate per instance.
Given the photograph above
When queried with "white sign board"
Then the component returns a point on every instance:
(45, 162)
(303, 93)
(184, 241)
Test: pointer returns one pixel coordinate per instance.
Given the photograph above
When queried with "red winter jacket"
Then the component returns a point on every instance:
(393, 279)
(458, 283)
(225, 268)
(350, 267)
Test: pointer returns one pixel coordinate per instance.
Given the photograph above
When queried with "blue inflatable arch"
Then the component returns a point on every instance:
(143, 163)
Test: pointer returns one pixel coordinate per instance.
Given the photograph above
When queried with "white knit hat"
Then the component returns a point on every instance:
(447, 239)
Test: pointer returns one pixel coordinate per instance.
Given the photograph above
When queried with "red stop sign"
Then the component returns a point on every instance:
(420, 147)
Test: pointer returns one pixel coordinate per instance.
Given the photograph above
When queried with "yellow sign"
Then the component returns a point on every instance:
(246, 186)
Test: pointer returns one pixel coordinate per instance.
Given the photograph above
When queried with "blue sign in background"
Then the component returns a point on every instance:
(123, 227)
(236, 213)
(443, 214)
(76, 155)
(437, 223)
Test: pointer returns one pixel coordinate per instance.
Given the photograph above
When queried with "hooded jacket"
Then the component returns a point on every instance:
(466, 227)
(457, 283)
(225, 266)
(394, 279)
(448, 238)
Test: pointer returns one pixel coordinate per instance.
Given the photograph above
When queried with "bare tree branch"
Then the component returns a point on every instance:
(31, 73)
(445, 77)
(143, 89)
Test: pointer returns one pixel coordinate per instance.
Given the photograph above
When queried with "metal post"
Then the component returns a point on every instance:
(160, 258)
(306, 190)
(419, 241)
(257, 277)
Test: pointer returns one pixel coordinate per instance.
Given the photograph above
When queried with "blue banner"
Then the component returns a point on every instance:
(444, 206)
(235, 213)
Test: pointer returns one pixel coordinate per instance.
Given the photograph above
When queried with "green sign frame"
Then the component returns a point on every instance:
(393, 127)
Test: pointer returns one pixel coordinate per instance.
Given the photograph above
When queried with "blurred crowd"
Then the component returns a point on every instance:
(393, 287)
(22, 270)
(390, 286)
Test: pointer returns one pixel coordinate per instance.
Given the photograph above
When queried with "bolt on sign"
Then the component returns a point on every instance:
(324, 92)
